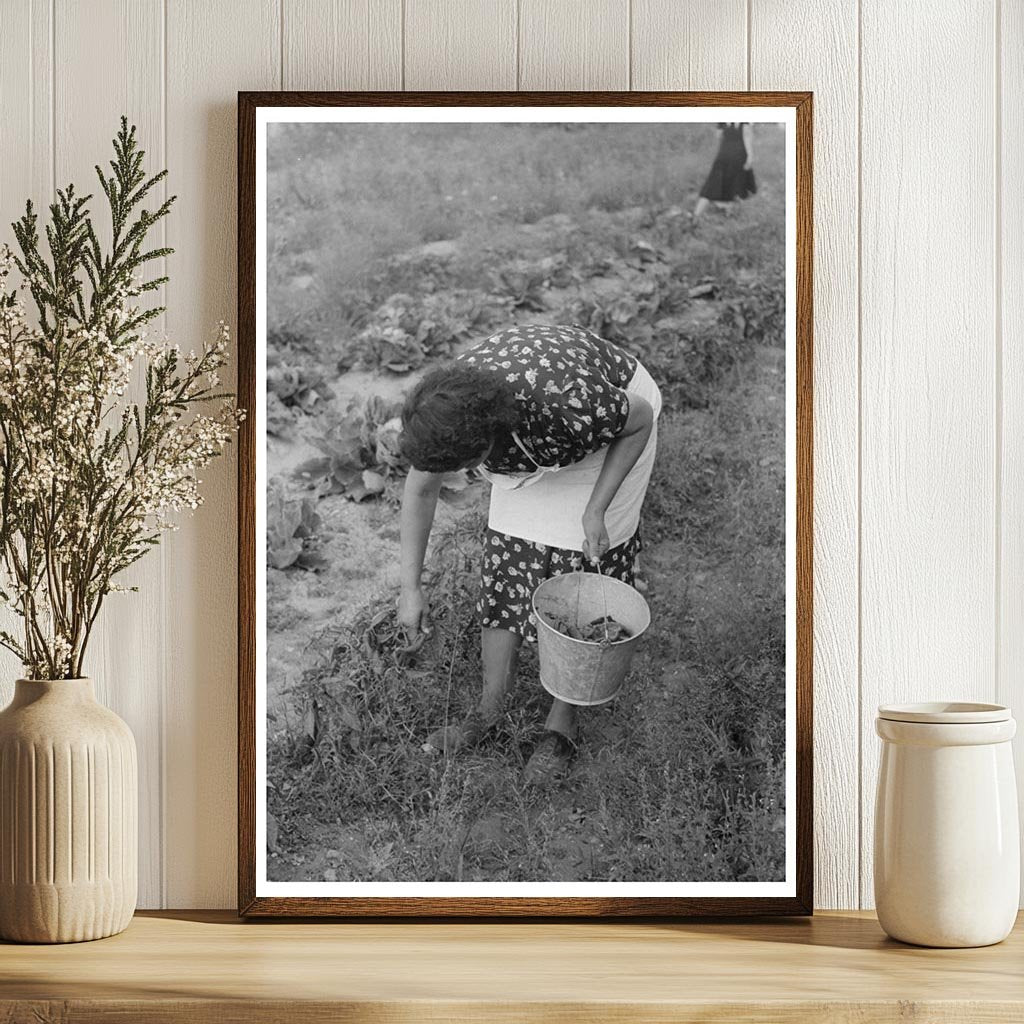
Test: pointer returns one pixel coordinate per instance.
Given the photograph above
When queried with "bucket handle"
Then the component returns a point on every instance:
(604, 598)
(604, 644)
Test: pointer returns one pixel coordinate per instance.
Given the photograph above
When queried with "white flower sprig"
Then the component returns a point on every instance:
(89, 477)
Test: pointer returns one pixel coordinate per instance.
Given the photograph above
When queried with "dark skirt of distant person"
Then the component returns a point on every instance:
(732, 174)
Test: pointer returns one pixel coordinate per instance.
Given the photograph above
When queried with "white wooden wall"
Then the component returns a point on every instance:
(919, 352)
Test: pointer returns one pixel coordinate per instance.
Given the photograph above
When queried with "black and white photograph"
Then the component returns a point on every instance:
(525, 502)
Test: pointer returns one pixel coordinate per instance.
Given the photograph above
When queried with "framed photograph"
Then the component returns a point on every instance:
(525, 504)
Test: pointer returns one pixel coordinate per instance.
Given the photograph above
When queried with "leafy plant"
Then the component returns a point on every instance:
(404, 331)
(89, 477)
(359, 452)
(297, 386)
(689, 360)
(361, 457)
(292, 531)
(760, 312)
(524, 282)
(293, 390)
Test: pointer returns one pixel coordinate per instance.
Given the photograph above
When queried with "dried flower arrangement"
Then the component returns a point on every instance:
(90, 476)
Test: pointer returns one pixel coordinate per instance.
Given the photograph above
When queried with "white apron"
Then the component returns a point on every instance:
(547, 505)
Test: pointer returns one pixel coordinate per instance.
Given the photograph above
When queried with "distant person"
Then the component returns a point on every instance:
(732, 174)
(564, 426)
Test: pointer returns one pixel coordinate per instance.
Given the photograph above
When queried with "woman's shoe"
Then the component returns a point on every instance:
(460, 735)
(549, 761)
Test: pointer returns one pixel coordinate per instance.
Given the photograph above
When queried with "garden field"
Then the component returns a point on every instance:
(394, 247)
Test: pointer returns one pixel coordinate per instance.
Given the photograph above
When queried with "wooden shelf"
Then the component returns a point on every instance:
(210, 967)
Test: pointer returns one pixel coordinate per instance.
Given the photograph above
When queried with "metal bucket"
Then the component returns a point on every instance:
(586, 672)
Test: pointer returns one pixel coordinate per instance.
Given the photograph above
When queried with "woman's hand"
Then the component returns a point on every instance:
(413, 612)
(595, 535)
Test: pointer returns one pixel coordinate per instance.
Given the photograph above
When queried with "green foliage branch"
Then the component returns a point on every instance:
(90, 471)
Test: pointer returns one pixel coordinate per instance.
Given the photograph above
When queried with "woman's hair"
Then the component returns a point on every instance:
(453, 415)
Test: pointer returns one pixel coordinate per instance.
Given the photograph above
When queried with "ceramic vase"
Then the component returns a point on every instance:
(947, 847)
(68, 815)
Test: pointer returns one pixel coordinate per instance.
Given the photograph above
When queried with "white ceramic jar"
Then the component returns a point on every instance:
(947, 847)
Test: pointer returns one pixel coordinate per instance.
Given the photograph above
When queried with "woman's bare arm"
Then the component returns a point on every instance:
(748, 145)
(419, 502)
(622, 456)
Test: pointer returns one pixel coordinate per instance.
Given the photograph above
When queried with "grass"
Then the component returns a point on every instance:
(344, 197)
(682, 777)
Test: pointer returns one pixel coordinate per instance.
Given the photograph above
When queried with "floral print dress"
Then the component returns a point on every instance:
(571, 388)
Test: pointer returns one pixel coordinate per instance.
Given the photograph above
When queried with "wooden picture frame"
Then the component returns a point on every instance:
(251, 902)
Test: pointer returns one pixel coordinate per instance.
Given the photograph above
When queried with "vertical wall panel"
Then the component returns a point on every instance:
(468, 45)
(700, 44)
(125, 656)
(780, 59)
(928, 363)
(26, 172)
(16, 185)
(342, 44)
(26, 108)
(1010, 260)
(574, 44)
(213, 50)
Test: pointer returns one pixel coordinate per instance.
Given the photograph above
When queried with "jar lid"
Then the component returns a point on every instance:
(945, 713)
